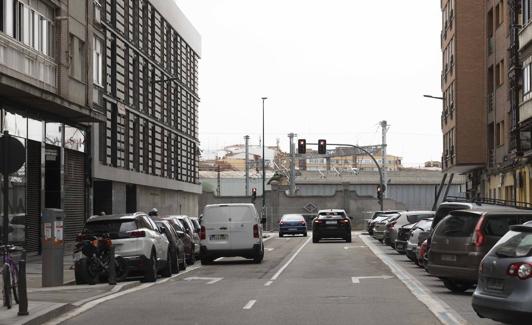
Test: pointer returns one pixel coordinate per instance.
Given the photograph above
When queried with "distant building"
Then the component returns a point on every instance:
(342, 160)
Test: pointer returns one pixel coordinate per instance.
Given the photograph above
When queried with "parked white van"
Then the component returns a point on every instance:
(229, 230)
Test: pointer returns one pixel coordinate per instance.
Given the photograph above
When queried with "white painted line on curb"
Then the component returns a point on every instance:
(269, 283)
(438, 307)
(250, 304)
(276, 275)
(94, 303)
(209, 280)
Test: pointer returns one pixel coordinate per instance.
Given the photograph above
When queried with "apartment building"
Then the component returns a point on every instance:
(145, 80)
(45, 103)
(464, 102)
(501, 59)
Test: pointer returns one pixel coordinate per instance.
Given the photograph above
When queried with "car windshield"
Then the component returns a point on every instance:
(110, 226)
(457, 225)
(292, 217)
(515, 244)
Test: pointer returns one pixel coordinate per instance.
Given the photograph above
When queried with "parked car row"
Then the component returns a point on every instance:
(147, 245)
(472, 246)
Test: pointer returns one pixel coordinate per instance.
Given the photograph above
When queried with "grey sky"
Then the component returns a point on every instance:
(331, 69)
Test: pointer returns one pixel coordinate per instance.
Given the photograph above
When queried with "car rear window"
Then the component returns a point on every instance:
(196, 224)
(515, 244)
(292, 217)
(457, 225)
(424, 224)
(331, 215)
(110, 226)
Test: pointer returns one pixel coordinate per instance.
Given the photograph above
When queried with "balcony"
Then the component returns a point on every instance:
(525, 36)
(490, 102)
(40, 70)
(525, 111)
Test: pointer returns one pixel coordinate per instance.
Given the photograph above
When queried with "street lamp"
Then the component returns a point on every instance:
(263, 164)
(433, 97)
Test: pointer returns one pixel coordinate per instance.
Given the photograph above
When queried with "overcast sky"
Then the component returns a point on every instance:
(331, 69)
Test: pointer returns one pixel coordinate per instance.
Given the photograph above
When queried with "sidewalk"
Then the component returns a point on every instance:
(47, 303)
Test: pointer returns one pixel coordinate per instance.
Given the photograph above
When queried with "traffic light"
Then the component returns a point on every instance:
(322, 146)
(380, 191)
(253, 195)
(302, 146)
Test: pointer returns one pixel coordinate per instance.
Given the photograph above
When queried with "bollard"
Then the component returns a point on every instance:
(22, 288)
(112, 266)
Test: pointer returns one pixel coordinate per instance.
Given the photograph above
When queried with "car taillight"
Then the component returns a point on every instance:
(281, 222)
(521, 270)
(302, 223)
(203, 233)
(137, 234)
(391, 225)
(255, 231)
(344, 221)
(317, 221)
(479, 238)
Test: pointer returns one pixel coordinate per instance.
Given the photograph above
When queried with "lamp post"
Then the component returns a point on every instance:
(263, 164)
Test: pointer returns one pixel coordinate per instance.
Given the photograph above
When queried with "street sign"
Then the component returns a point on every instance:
(14, 152)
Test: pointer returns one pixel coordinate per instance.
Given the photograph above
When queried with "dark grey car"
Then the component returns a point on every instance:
(505, 279)
(463, 238)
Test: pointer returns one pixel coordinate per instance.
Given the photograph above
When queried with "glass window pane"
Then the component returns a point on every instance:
(74, 139)
(15, 124)
(35, 130)
(53, 134)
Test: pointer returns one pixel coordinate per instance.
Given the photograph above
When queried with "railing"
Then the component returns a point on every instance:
(501, 202)
(490, 102)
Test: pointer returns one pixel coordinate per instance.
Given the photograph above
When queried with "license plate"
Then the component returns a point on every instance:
(292, 229)
(330, 222)
(218, 237)
(495, 284)
(399, 246)
(448, 258)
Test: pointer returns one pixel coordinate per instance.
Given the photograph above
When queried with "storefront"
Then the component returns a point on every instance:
(54, 175)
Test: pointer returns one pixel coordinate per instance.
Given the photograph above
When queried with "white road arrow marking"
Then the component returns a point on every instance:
(209, 280)
(348, 247)
(356, 279)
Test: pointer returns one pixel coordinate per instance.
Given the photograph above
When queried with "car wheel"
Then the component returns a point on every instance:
(457, 286)
(305, 234)
(206, 260)
(259, 256)
(167, 271)
(191, 259)
(348, 239)
(315, 239)
(121, 269)
(280, 234)
(175, 262)
(150, 273)
(80, 271)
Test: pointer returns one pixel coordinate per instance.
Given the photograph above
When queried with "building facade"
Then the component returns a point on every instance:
(145, 76)
(45, 103)
(497, 128)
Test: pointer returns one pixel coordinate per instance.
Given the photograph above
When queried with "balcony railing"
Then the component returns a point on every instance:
(27, 61)
(490, 102)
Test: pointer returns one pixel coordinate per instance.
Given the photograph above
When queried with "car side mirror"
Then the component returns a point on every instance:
(263, 220)
(162, 229)
(351, 218)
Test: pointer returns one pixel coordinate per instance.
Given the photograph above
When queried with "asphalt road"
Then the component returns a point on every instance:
(298, 283)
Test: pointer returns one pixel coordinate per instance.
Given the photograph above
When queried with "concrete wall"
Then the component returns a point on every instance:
(166, 201)
(279, 203)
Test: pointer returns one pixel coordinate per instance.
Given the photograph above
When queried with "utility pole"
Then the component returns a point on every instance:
(292, 164)
(218, 186)
(384, 126)
(246, 138)
(263, 164)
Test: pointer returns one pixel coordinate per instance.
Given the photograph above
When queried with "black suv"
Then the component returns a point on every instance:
(331, 223)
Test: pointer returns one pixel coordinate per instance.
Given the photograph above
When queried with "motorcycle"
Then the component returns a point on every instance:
(95, 261)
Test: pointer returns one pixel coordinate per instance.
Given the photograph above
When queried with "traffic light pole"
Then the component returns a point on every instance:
(381, 178)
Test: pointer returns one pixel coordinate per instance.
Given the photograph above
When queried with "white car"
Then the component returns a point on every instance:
(137, 239)
(229, 230)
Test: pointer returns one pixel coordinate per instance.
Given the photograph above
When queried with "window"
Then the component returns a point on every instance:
(77, 55)
(499, 73)
(499, 13)
(97, 66)
(527, 11)
(500, 133)
(526, 79)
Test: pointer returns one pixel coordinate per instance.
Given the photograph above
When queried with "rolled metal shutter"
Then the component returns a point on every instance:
(33, 197)
(74, 197)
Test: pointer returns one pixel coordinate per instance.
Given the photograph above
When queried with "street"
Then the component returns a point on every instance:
(298, 283)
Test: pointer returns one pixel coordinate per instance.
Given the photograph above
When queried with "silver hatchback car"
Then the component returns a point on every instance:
(505, 279)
